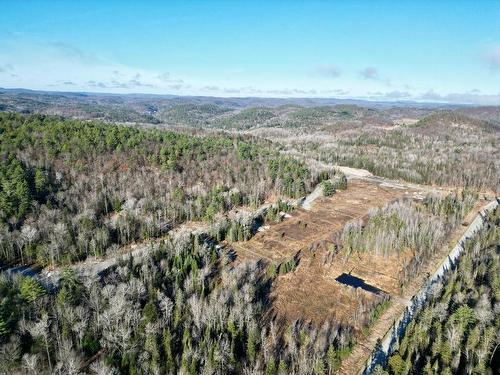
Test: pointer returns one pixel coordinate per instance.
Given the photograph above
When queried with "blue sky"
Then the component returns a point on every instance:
(387, 50)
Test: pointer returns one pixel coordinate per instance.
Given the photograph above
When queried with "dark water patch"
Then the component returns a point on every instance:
(356, 282)
(31, 271)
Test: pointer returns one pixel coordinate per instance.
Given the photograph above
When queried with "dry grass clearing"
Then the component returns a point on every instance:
(311, 292)
(328, 215)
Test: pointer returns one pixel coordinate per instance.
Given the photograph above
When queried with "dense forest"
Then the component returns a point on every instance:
(457, 329)
(177, 311)
(70, 189)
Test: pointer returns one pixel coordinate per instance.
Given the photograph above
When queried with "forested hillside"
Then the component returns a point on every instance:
(424, 143)
(249, 188)
(70, 189)
(443, 148)
(241, 288)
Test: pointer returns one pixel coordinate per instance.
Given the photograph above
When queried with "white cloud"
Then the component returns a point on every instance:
(369, 73)
(372, 73)
(327, 70)
(472, 97)
(6, 68)
(396, 94)
(115, 84)
(491, 56)
(431, 95)
(461, 98)
(63, 66)
(60, 66)
(75, 54)
(336, 92)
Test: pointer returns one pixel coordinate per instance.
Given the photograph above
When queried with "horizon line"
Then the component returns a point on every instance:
(285, 98)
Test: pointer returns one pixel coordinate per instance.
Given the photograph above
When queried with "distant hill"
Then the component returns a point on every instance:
(154, 109)
(446, 121)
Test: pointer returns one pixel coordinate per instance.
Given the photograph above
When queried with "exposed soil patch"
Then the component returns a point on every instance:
(313, 291)
(305, 228)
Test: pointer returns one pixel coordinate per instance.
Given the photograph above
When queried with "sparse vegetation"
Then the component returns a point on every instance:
(404, 226)
(456, 331)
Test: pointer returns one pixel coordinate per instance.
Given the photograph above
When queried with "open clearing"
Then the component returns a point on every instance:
(326, 217)
(311, 291)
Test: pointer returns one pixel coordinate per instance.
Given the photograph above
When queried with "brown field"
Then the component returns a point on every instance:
(328, 215)
(311, 292)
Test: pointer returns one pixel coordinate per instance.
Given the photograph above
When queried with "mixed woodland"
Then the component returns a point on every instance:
(70, 189)
(78, 180)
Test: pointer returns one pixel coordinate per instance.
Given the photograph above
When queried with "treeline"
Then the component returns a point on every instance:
(407, 226)
(456, 331)
(177, 311)
(70, 189)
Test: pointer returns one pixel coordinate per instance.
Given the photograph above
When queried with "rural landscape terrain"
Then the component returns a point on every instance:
(258, 187)
(149, 234)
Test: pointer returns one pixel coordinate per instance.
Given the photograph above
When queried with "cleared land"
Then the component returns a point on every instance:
(311, 291)
(327, 216)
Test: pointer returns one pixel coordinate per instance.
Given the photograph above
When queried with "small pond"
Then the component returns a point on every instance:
(356, 282)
